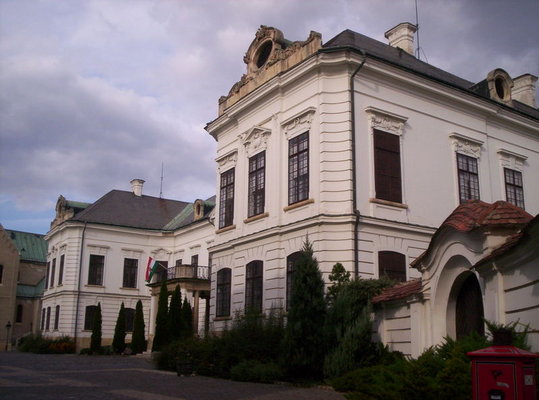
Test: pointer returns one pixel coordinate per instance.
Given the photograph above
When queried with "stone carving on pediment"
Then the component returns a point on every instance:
(255, 140)
(511, 160)
(300, 122)
(385, 121)
(466, 146)
(227, 161)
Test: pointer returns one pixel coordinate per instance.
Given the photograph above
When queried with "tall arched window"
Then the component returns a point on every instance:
(56, 317)
(291, 261)
(224, 283)
(253, 286)
(392, 265)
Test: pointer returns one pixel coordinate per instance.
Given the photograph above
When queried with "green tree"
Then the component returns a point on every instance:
(304, 341)
(118, 342)
(187, 319)
(161, 337)
(138, 341)
(175, 322)
(338, 277)
(95, 339)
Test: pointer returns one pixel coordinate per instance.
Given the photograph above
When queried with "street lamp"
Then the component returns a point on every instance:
(8, 327)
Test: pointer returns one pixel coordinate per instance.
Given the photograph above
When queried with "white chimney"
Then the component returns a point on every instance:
(136, 186)
(524, 89)
(402, 36)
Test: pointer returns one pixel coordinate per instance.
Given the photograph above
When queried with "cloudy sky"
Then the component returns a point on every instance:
(96, 93)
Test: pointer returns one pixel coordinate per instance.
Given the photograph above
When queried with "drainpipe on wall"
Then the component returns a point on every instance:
(79, 283)
(354, 181)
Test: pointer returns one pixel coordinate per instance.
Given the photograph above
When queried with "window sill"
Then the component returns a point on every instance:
(227, 318)
(255, 217)
(94, 286)
(225, 229)
(128, 288)
(389, 203)
(298, 204)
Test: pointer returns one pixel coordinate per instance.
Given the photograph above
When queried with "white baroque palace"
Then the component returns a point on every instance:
(364, 150)
(361, 148)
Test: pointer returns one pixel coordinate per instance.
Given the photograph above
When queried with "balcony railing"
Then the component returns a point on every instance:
(184, 271)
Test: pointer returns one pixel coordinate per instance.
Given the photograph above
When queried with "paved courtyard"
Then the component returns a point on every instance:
(25, 376)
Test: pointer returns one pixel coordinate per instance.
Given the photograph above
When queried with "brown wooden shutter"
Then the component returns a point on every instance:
(387, 167)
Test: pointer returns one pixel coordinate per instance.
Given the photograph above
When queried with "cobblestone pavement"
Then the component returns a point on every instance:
(25, 376)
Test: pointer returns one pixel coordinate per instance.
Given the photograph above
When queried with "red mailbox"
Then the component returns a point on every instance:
(503, 373)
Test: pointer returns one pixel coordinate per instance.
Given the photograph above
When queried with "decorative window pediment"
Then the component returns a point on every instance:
(509, 159)
(466, 145)
(299, 123)
(227, 161)
(385, 121)
(255, 140)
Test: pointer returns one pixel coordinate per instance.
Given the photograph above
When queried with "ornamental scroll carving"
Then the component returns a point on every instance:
(227, 161)
(299, 123)
(385, 121)
(511, 160)
(255, 140)
(465, 145)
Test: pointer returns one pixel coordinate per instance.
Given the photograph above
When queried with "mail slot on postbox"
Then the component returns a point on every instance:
(503, 373)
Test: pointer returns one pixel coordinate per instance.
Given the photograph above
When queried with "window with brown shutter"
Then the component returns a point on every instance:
(291, 261)
(253, 286)
(387, 167)
(392, 265)
(223, 292)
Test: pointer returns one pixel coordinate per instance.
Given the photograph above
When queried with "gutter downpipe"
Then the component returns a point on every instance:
(354, 173)
(78, 288)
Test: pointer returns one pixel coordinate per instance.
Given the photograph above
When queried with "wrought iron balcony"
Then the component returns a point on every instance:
(184, 271)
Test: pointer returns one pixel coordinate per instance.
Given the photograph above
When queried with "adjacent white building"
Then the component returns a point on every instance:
(97, 254)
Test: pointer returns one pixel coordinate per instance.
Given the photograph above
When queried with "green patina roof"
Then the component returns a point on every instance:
(31, 246)
(30, 291)
(77, 204)
(186, 216)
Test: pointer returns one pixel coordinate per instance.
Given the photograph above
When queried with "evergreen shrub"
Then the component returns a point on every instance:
(256, 371)
(118, 341)
(138, 341)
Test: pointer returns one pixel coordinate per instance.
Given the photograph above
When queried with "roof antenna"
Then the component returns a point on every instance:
(417, 54)
(161, 189)
(418, 49)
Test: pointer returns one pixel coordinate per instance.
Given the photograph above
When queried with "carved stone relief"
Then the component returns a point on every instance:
(465, 145)
(299, 123)
(385, 121)
(511, 160)
(255, 140)
(227, 161)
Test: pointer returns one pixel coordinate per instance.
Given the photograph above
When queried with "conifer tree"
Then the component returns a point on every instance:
(95, 339)
(162, 336)
(187, 319)
(304, 333)
(138, 341)
(118, 342)
(175, 320)
(338, 277)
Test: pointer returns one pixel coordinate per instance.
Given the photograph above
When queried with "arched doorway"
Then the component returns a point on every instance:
(469, 308)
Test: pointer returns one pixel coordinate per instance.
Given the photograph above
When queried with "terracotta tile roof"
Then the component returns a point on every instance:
(399, 291)
(476, 214)
(512, 241)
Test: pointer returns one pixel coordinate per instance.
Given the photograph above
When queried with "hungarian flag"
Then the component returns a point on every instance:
(151, 267)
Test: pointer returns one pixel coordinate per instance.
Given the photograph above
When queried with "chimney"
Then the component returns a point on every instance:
(524, 89)
(402, 36)
(136, 186)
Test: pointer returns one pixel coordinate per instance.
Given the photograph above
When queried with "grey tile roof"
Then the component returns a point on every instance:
(395, 56)
(122, 208)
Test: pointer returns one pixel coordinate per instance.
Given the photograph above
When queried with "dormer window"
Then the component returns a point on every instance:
(499, 85)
